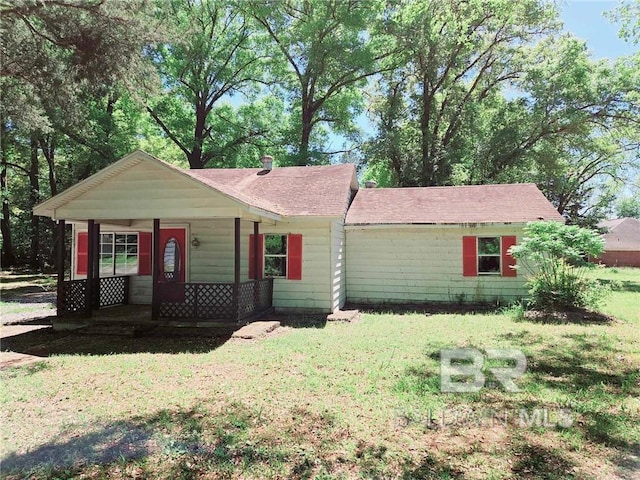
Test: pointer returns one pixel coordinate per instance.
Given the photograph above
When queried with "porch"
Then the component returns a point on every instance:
(172, 300)
(222, 302)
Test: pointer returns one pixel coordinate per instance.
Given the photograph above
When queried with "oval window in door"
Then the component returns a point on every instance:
(171, 260)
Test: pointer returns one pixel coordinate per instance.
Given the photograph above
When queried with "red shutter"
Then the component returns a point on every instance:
(82, 253)
(294, 257)
(507, 259)
(145, 246)
(260, 255)
(469, 257)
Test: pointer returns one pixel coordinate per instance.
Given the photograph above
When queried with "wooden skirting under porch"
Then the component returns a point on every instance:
(189, 304)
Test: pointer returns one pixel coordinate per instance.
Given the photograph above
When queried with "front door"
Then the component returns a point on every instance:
(172, 255)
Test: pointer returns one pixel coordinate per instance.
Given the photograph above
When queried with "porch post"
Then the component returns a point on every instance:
(256, 247)
(88, 299)
(236, 277)
(155, 272)
(256, 264)
(60, 300)
(96, 264)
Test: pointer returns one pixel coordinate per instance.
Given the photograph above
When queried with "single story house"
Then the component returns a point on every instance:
(228, 243)
(621, 242)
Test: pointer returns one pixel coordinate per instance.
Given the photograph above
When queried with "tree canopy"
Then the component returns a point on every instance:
(452, 92)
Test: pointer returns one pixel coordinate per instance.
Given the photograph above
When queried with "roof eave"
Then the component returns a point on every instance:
(435, 224)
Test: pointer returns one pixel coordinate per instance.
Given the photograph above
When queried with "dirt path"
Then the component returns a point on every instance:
(15, 359)
(26, 302)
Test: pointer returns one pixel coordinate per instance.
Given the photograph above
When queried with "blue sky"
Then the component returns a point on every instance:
(584, 18)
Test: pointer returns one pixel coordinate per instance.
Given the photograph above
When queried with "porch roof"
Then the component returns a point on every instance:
(138, 185)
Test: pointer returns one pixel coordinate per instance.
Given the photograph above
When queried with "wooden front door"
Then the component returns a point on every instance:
(172, 255)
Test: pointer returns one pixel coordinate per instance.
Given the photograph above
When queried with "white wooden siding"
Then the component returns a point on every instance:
(148, 191)
(313, 292)
(395, 264)
(213, 261)
(338, 267)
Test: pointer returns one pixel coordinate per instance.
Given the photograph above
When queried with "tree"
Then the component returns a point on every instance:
(330, 48)
(52, 48)
(215, 53)
(554, 256)
(566, 122)
(628, 14)
(582, 127)
(455, 56)
(628, 207)
(58, 57)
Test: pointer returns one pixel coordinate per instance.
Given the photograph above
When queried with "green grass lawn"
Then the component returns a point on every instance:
(624, 301)
(357, 400)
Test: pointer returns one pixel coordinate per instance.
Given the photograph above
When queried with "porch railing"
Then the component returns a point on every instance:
(110, 291)
(214, 301)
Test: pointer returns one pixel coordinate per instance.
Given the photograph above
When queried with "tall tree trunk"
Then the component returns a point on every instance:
(48, 147)
(425, 130)
(34, 197)
(307, 117)
(8, 258)
(195, 157)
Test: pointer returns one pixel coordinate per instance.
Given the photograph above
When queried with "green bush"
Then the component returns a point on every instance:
(554, 256)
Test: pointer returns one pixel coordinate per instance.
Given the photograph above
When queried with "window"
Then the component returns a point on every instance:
(275, 255)
(118, 254)
(489, 255)
(171, 260)
(279, 256)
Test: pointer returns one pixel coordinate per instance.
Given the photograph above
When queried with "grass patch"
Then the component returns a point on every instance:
(624, 301)
(13, 283)
(342, 401)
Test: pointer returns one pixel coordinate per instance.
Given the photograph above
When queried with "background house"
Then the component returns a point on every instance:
(621, 243)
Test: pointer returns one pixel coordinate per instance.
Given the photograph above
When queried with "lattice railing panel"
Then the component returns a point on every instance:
(197, 301)
(265, 294)
(246, 304)
(215, 301)
(113, 291)
(73, 297)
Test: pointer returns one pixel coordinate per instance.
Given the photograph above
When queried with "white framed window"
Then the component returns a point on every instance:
(489, 255)
(275, 256)
(118, 254)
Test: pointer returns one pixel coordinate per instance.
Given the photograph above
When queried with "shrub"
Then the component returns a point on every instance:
(554, 256)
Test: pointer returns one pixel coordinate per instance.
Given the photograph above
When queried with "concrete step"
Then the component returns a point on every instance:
(255, 330)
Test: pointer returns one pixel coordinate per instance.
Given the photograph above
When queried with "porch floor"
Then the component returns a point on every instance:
(138, 317)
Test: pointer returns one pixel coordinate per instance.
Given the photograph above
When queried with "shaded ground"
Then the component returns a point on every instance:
(320, 400)
(26, 297)
(578, 316)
